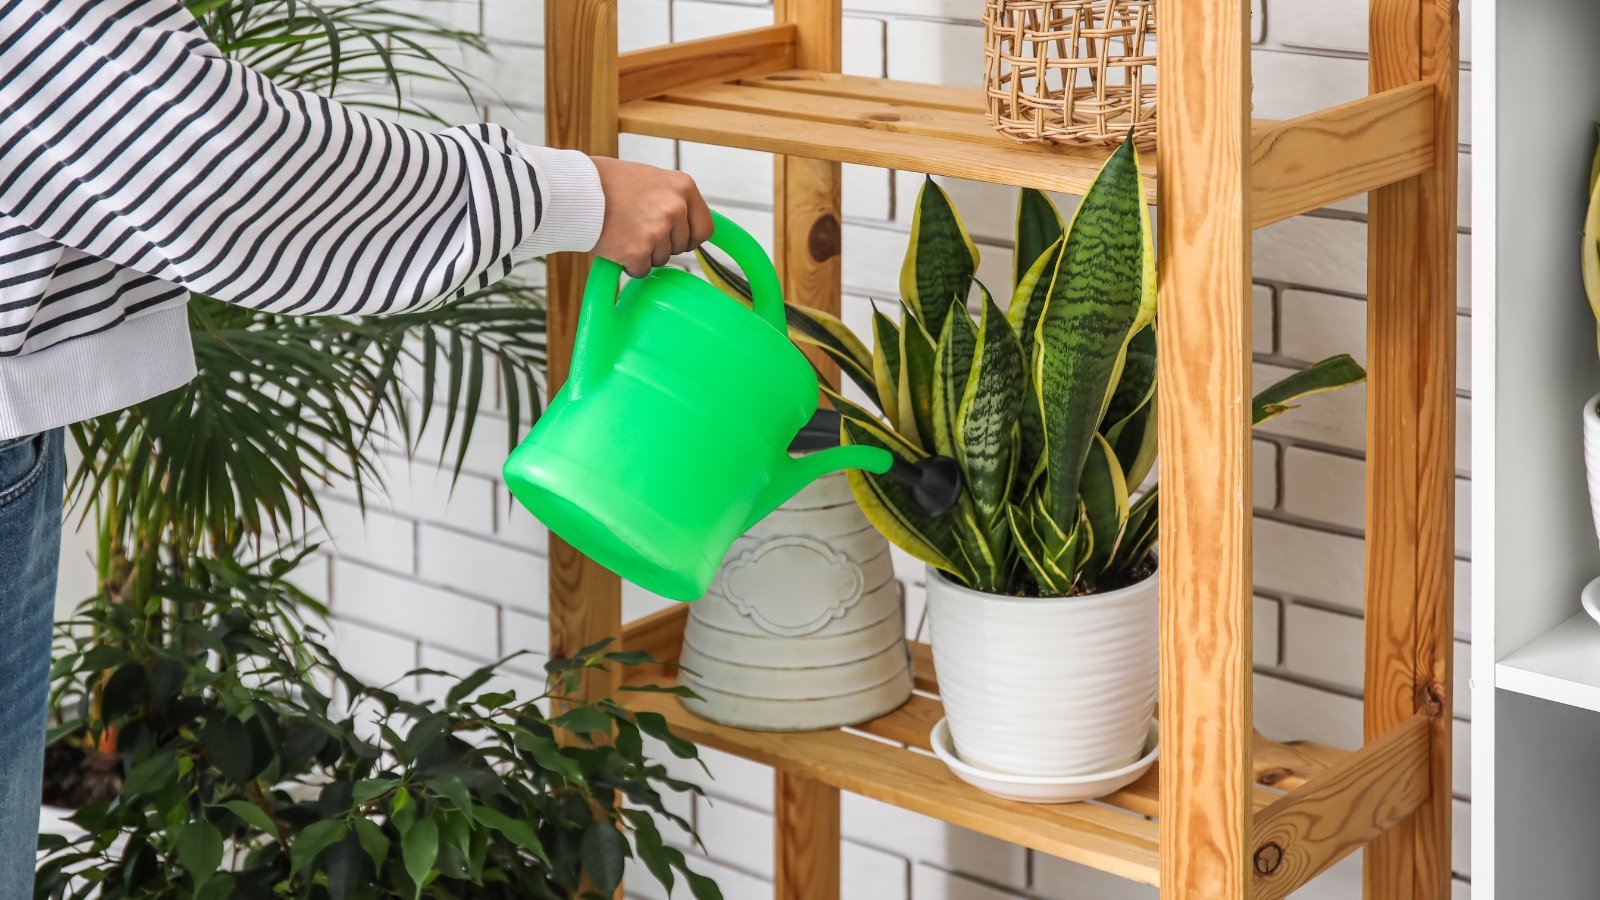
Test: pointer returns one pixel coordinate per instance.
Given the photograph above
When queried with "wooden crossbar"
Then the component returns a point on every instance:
(1309, 162)
(738, 54)
(1357, 799)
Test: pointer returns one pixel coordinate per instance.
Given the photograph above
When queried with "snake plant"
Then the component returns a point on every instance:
(1048, 405)
(1591, 239)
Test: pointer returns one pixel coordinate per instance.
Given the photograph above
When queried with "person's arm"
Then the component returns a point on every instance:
(129, 138)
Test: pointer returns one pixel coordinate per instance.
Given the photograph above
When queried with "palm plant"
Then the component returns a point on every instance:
(1048, 406)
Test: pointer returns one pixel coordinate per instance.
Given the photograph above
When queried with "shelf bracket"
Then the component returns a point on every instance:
(1357, 799)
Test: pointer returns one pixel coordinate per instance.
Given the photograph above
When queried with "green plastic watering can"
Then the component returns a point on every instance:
(670, 437)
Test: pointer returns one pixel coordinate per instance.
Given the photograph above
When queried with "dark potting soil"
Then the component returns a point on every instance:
(73, 778)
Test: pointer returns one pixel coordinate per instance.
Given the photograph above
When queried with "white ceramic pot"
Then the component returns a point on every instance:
(1591, 456)
(1046, 687)
(804, 627)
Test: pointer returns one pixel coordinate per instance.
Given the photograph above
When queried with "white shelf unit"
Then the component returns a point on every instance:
(1535, 656)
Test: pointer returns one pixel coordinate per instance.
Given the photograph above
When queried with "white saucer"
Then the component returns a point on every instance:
(1034, 789)
(1591, 599)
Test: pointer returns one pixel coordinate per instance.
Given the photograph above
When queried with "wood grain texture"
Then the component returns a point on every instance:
(1306, 831)
(806, 196)
(1204, 354)
(580, 114)
(806, 831)
(654, 70)
(1113, 840)
(1314, 160)
(1411, 444)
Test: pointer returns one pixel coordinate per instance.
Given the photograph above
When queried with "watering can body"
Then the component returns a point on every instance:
(670, 437)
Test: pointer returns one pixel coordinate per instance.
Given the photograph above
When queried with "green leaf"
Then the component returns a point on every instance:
(1099, 299)
(373, 841)
(914, 394)
(1105, 505)
(952, 361)
(200, 851)
(477, 679)
(419, 849)
(253, 815)
(519, 831)
(150, 775)
(603, 852)
(655, 725)
(549, 756)
(317, 837)
(886, 364)
(940, 259)
(344, 867)
(990, 405)
(583, 720)
(1039, 226)
(369, 789)
(889, 507)
(227, 746)
(1330, 374)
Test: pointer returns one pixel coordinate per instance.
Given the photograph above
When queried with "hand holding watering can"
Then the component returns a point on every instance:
(670, 437)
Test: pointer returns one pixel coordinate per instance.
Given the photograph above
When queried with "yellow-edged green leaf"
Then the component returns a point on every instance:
(1136, 383)
(820, 329)
(1590, 250)
(1136, 444)
(914, 394)
(940, 260)
(1105, 504)
(952, 361)
(1098, 301)
(987, 417)
(1039, 225)
(889, 507)
(1029, 296)
(1330, 374)
(886, 364)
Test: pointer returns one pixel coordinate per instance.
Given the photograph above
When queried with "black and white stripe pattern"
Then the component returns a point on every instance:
(137, 164)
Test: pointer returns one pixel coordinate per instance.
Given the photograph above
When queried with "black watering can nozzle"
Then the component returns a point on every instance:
(935, 482)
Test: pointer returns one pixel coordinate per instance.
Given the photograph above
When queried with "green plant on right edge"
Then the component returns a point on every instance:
(1048, 406)
(1590, 253)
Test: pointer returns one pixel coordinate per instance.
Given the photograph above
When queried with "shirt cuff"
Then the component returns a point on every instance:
(573, 204)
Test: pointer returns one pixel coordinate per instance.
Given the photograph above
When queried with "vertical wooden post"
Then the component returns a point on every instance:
(806, 831)
(806, 197)
(1411, 315)
(805, 224)
(580, 114)
(1204, 351)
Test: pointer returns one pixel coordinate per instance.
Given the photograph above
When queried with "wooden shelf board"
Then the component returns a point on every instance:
(1562, 665)
(871, 121)
(888, 759)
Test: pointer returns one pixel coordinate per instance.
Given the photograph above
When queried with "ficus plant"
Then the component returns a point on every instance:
(246, 778)
(1048, 404)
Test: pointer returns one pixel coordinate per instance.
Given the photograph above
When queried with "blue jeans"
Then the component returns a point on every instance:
(32, 470)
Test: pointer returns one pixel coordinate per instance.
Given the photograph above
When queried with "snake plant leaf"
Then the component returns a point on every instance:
(940, 260)
(1590, 255)
(988, 412)
(1099, 298)
(1139, 535)
(1105, 505)
(914, 394)
(889, 507)
(1136, 444)
(886, 364)
(1029, 296)
(952, 362)
(1330, 374)
(806, 325)
(1039, 226)
(1136, 383)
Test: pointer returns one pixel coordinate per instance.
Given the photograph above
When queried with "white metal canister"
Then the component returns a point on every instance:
(804, 627)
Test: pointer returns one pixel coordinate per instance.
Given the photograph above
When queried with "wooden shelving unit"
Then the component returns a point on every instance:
(1230, 815)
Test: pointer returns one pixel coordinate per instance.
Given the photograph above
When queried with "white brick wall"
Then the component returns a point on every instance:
(451, 577)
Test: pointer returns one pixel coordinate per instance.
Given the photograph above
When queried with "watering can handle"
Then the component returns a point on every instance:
(596, 342)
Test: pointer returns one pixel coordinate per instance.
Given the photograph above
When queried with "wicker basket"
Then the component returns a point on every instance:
(1071, 71)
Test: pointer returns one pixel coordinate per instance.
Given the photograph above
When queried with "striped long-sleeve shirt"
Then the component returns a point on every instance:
(137, 164)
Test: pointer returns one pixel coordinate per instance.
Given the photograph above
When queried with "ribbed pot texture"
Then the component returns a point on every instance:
(1591, 457)
(1046, 687)
(804, 626)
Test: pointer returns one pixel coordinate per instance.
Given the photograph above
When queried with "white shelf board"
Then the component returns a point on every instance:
(1561, 665)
